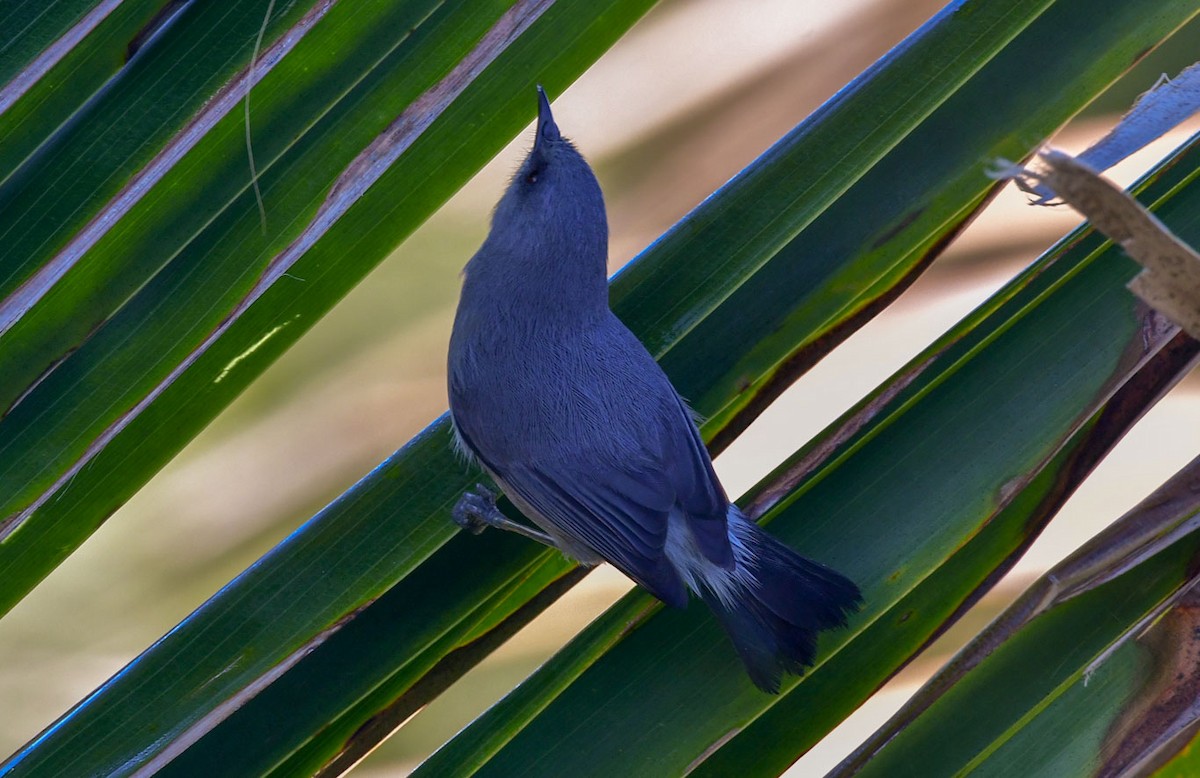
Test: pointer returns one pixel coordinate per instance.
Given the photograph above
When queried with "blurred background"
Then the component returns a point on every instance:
(692, 94)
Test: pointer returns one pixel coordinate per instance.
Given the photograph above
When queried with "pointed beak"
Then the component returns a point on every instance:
(547, 130)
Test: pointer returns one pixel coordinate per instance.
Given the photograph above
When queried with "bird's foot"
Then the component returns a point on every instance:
(476, 511)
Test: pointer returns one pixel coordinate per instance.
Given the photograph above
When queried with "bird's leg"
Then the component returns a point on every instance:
(476, 511)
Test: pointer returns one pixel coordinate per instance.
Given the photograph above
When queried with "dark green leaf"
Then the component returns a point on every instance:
(1092, 671)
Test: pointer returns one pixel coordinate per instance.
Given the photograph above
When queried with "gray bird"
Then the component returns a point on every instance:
(562, 405)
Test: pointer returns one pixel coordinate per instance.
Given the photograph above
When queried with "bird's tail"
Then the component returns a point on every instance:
(777, 603)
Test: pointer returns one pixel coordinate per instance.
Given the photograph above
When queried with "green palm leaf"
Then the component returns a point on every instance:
(142, 290)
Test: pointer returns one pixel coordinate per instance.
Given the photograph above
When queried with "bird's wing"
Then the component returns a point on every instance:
(689, 470)
(621, 508)
(620, 513)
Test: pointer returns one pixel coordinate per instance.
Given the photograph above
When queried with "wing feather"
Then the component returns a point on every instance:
(611, 515)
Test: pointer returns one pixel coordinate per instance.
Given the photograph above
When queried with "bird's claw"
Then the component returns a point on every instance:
(476, 510)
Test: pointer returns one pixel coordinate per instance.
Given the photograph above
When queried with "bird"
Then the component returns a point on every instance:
(574, 420)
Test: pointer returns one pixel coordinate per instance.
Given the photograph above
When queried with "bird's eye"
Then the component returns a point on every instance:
(532, 178)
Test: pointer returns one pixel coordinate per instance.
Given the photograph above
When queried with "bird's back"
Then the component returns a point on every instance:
(618, 422)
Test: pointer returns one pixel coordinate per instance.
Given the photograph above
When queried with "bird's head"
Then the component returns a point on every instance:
(553, 208)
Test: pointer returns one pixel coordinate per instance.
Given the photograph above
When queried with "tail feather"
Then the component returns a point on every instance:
(780, 603)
